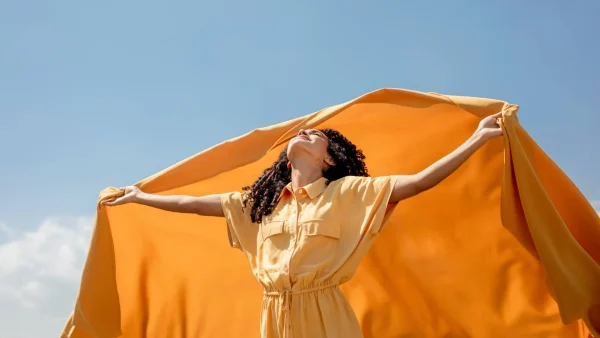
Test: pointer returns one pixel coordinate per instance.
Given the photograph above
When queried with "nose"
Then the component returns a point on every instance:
(301, 132)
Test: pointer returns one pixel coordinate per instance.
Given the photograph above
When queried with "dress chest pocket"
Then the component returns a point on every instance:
(272, 228)
(318, 246)
(271, 233)
(314, 228)
(272, 241)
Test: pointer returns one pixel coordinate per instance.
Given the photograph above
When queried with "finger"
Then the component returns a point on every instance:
(112, 203)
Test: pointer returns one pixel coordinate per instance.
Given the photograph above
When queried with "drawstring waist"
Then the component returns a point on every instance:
(285, 296)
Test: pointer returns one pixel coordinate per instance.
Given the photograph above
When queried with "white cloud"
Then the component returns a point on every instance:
(39, 275)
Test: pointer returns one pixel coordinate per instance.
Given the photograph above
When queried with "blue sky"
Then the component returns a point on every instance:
(105, 94)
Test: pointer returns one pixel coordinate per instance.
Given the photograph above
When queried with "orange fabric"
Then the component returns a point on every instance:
(312, 242)
(505, 247)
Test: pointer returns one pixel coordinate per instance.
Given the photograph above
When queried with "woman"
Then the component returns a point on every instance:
(306, 223)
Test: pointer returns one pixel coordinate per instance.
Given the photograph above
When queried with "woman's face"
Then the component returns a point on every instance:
(312, 143)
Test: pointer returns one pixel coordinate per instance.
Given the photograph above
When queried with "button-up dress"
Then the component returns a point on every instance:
(312, 242)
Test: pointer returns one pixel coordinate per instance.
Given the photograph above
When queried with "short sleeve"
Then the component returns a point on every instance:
(373, 194)
(240, 229)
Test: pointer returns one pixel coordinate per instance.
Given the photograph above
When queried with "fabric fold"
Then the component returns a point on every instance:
(506, 246)
(573, 271)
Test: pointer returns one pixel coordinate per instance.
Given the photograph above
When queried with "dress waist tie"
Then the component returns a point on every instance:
(284, 303)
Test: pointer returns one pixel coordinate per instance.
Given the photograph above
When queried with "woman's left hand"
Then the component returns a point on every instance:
(489, 128)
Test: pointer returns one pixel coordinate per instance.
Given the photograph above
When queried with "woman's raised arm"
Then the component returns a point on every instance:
(209, 205)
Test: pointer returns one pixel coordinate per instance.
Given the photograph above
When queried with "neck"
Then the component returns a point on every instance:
(304, 173)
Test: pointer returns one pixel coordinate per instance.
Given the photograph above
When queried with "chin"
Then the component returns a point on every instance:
(297, 142)
(296, 145)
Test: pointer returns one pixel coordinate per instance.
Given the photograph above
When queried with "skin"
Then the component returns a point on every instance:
(308, 156)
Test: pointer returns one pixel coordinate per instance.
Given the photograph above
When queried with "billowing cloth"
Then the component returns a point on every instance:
(507, 246)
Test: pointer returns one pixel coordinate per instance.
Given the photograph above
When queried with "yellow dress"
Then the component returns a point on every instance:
(312, 242)
(507, 246)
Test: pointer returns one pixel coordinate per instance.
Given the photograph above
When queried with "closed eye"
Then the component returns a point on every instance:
(318, 133)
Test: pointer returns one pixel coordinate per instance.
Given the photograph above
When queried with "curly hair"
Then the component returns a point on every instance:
(263, 194)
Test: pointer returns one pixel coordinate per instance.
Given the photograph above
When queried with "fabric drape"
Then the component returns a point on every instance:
(507, 246)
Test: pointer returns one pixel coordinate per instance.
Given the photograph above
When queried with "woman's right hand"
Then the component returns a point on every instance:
(130, 196)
